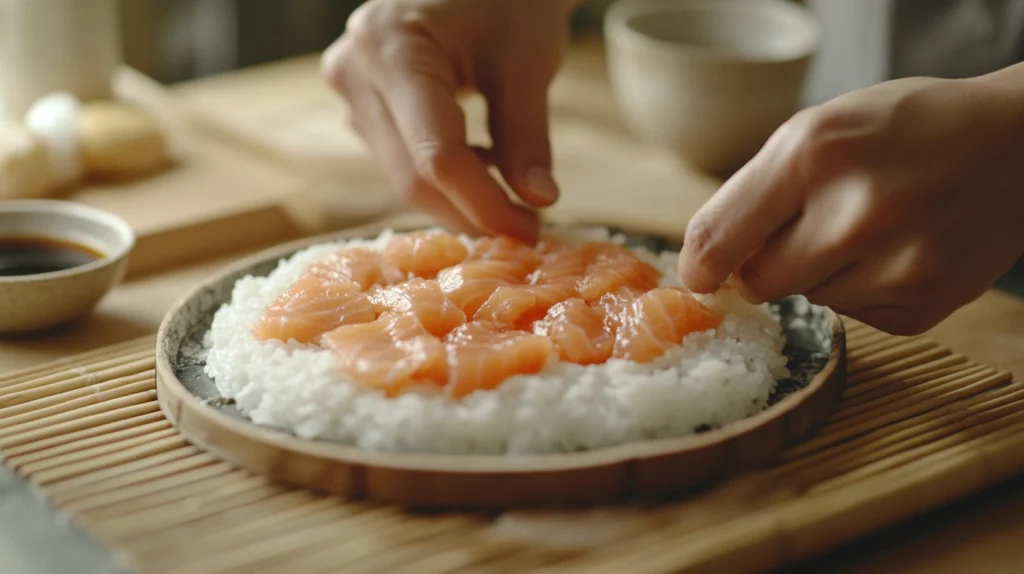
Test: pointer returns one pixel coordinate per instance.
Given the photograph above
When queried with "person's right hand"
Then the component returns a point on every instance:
(895, 204)
(400, 65)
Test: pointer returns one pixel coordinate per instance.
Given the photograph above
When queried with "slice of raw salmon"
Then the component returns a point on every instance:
(422, 254)
(358, 264)
(423, 298)
(611, 267)
(558, 273)
(558, 263)
(556, 278)
(518, 306)
(481, 356)
(507, 305)
(520, 258)
(312, 307)
(494, 262)
(613, 305)
(577, 331)
(470, 283)
(659, 319)
(553, 281)
(547, 245)
(395, 353)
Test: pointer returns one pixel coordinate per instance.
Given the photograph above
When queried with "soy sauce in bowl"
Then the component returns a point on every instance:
(58, 259)
(35, 255)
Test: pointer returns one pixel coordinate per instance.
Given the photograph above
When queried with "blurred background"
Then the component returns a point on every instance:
(176, 40)
(865, 41)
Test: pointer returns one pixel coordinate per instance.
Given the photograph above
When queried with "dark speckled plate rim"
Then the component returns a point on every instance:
(808, 358)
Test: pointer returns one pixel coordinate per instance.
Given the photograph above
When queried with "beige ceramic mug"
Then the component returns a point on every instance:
(709, 79)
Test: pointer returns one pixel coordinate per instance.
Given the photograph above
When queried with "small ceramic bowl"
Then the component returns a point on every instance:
(709, 79)
(30, 303)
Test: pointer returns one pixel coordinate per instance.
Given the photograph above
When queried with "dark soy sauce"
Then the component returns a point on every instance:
(32, 255)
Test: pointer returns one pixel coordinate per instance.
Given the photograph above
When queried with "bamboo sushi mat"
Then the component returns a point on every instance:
(919, 426)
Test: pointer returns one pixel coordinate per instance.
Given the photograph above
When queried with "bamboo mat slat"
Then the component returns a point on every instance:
(918, 426)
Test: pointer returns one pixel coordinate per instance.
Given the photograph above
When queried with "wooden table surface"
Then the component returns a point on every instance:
(982, 533)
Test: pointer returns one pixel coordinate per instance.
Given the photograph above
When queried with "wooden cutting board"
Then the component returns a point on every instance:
(215, 199)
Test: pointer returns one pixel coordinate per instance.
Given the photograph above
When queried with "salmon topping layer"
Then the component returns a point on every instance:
(429, 314)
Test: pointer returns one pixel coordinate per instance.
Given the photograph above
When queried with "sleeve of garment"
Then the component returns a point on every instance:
(955, 38)
(870, 41)
(854, 49)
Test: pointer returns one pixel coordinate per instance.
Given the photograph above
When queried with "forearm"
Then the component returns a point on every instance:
(1003, 92)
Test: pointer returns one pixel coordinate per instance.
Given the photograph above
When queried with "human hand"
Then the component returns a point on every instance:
(894, 205)
(400, 65)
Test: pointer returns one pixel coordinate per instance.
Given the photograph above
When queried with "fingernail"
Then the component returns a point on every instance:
(540, 182)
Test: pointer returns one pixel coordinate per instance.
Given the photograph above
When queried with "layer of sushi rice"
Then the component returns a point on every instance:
(713, 378)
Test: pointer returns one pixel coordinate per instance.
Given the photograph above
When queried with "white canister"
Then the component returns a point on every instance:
(56, 46)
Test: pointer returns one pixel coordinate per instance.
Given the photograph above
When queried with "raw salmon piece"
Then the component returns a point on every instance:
(577, 332)
(556, 277)
(520, 305)
(471, 283)
(422, 254)
(659, 319)
(395, 353)
(312, 307)
(610, 267)
(553, 281)
(547, 295)
(613, 305)
(552, 292)
(559, 265)
(423, 298)
(357, 264)
(549, 245)
(506, 306)
(481, 356)
(520, 258)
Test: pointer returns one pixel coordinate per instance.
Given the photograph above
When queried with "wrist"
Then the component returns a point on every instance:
(1004, 91)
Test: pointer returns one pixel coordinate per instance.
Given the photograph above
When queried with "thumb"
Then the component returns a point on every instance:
(740, 217)
(518, 117)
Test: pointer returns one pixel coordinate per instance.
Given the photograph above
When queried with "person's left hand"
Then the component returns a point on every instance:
(894, 205)
(401, 65)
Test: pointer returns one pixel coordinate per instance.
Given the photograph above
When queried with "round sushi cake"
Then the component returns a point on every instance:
(433, 342)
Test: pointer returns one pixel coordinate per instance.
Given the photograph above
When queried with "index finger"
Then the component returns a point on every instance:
(762, 197)
(420, 92)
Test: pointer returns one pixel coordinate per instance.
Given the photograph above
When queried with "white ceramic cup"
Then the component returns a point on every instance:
(56, 46)
(709, 79)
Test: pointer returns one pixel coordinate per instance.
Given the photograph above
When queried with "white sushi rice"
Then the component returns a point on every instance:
(714, 378)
